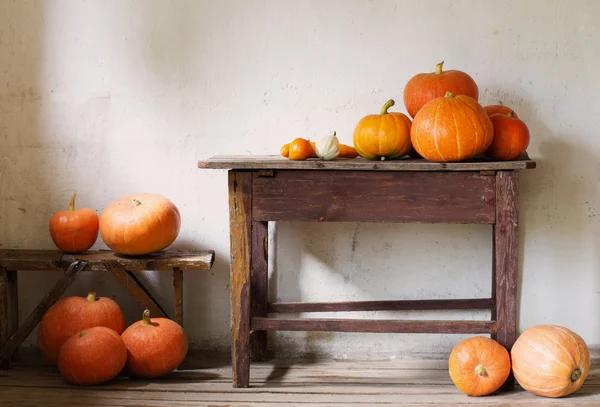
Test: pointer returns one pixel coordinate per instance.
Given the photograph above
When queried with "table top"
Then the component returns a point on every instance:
(277, 162)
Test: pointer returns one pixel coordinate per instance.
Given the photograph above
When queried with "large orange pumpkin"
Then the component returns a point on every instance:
(74, 230)
(479, 366)
(550, 360)
(140, 224)
(511, 137)
(451, 128)
(383, 136)
(92, 356)
(155, 346)
(73, 314)
(425, 87)
(502, 109)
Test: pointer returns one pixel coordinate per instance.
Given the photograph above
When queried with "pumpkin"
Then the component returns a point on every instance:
(140, 224)
(155, 346)
(511, 137)
(493, 109)
(328, 147)
(550, 361)
(425, 87)
(74, 230)
(479, 366)
(451, 128)
(383, 136)
(300, 149)
(92, 356)
(70, 315)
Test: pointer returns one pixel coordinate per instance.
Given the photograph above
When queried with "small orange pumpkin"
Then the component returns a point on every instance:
(451, 128)
(550, 361)
(74, 230)
(300, 149)
(511, 137)
(479, 366)
(493, 109)
(383, 136)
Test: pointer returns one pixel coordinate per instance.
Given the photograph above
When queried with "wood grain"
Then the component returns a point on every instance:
(393, 305)
(36, 315)
(259, 286)
(9, 307)
(373, 325)
(272, 162)
(136, 289)
(43, 260)
(374, 197)
(178, 294)
(240, 217)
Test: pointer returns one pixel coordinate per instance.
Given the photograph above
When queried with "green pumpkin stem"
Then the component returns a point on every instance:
(480, 370)
(72, 201)
(146, 317)
(438, 68)
(383, 158)
(387, 105)
(576, 375)
(449, 95)
(91, 297)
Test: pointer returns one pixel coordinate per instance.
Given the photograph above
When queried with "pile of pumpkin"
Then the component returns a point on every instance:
(86, 337)
(546, 360)
(449, 125)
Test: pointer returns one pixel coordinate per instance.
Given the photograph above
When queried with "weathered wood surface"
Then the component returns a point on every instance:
(178, 294)
(136, 289)
(374, 197)
(259, 286)
(36, 315)
(390, 305)
(240, 224)
(257, 162)
(373, 325)
(39, 260)
(281, 383)
(9, 307)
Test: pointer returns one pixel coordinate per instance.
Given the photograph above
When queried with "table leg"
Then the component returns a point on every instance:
(9, 313)
(240, 216)
(259, 286)
(505, 259)
(178, 294)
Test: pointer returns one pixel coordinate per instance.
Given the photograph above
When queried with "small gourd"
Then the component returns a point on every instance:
(328, 147)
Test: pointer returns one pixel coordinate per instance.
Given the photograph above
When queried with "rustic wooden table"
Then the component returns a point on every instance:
(272, 188)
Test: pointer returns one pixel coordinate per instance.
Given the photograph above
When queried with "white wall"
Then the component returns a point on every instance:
(114, 97)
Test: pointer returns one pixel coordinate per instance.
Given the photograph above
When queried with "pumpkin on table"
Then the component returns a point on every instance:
(511, 137)
(92, 356)
(72, 314)
(384, 136)
(155, 346)
(451, 128)
(74, 230)
(550, 361)
(479, 366)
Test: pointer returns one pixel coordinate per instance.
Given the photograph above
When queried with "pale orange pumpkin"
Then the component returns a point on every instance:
(550, 361)
(384, 136)
(140, 224)
(74, 230)
(451, 128)
(479, 366)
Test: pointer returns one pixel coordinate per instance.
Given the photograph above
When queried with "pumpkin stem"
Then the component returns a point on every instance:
(480, 370)
(383, 158)
(72, 201)
(91, 297)
(438, 68)
(82, 334)
(146, 317)
(136, 202)
(575, 375)
(387, 105)
(449, 95)
(511, 114)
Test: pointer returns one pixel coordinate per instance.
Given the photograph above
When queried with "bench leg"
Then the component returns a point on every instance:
(259, 286)
(9, 311)
(178, 291)
(505, 260)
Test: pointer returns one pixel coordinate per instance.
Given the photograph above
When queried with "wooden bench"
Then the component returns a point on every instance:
(122, 267)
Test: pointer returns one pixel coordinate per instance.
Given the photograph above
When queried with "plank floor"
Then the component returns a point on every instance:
(279, 383)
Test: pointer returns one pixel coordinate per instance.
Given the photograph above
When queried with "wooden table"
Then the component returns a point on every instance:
(273, 188)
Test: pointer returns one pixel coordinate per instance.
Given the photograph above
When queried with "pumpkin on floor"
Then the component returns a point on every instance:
(73, 314)
(155, 346)
(92, 356)
(451, 128)
(511, 137)
(550, 361)
(502, 109)
(425, 87)
(479, 366)
(384, 136)
(140, 224)
(74, 230)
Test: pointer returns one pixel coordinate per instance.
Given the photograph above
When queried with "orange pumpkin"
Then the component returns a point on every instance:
(92, 356)
(451, 128)
(155, 346)
(74, 230)
(300, 149)
(479, 366)
(383, 136)
(511, 137)
(140, 224)
(425, 87)
(70, 315)
(550, 361)
(493, 109)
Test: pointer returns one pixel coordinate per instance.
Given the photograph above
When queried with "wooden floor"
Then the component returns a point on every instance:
(280, 383)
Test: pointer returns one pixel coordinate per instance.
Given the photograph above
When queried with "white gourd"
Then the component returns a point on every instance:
(328, 147)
